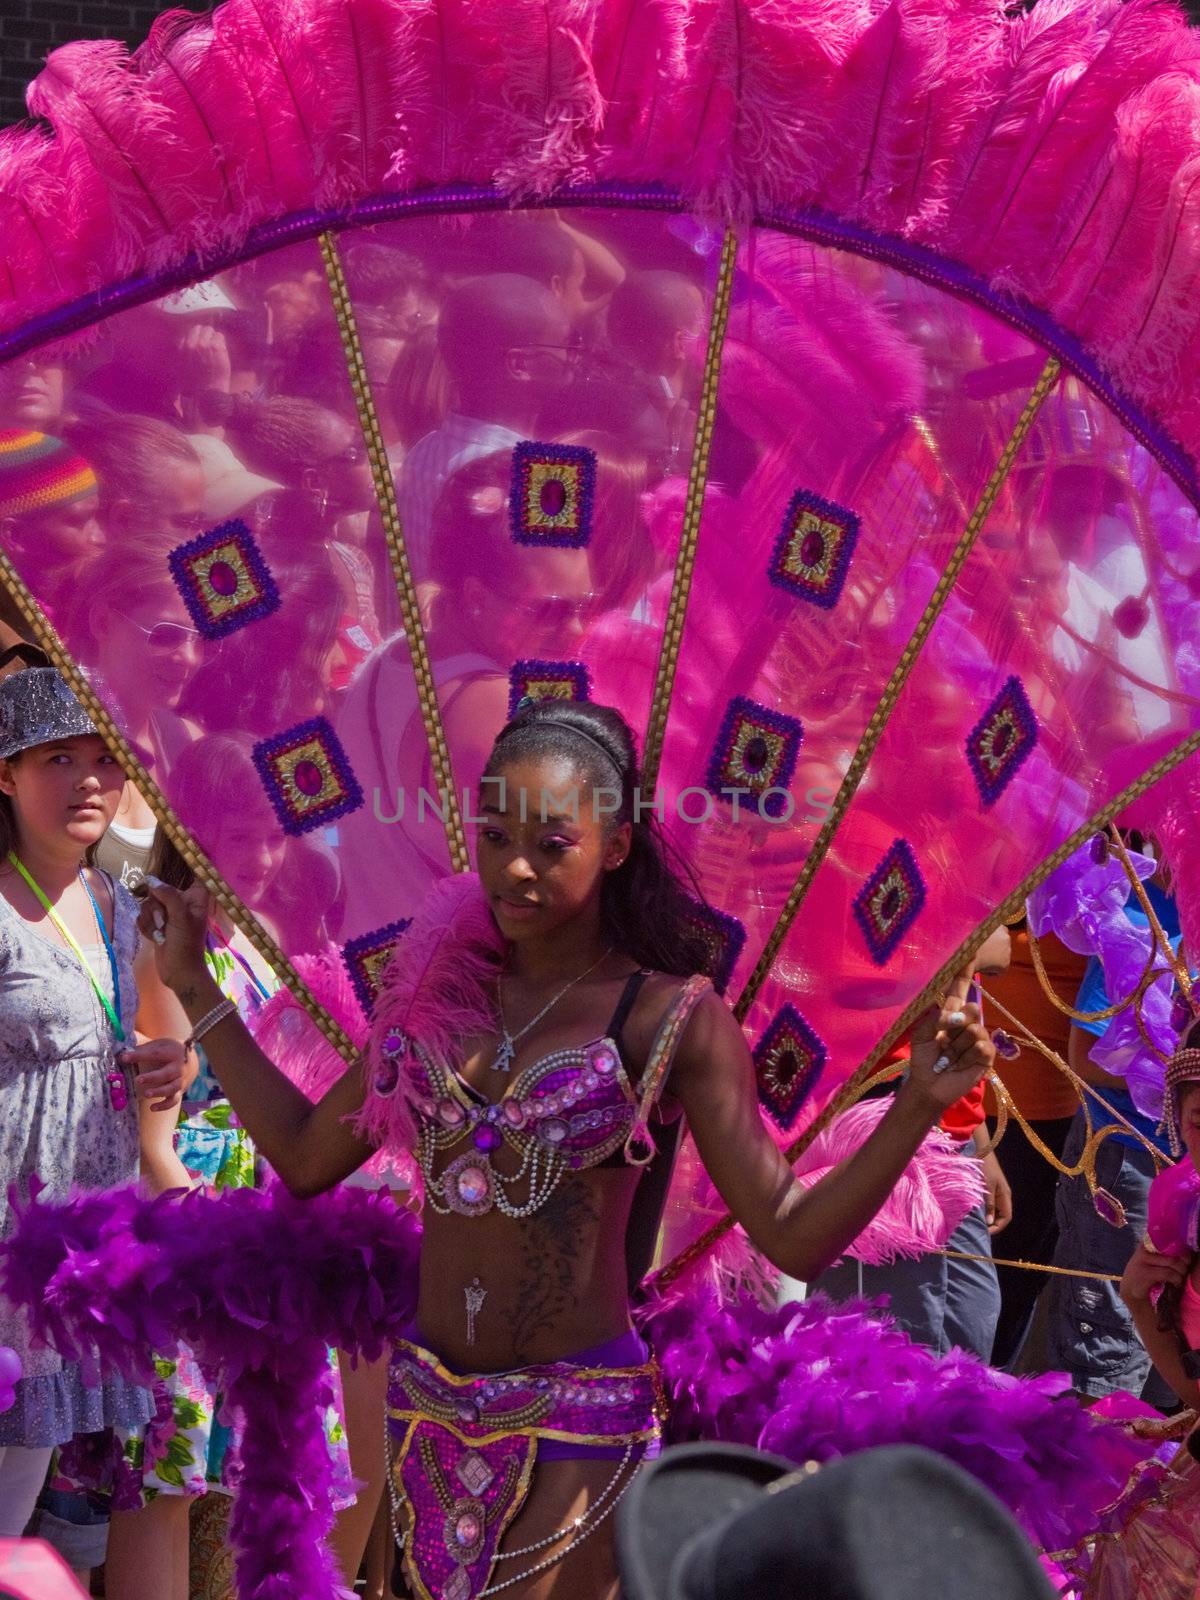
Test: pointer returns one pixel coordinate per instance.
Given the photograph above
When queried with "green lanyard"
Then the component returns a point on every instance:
(69, 937)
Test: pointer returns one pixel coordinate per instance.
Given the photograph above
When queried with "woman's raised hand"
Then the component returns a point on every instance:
(951, 1049)
(176, 922)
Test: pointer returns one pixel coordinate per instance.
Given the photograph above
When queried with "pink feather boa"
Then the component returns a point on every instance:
(438, 988)
(931, 1197)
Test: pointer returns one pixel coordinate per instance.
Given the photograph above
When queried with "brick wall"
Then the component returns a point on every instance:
(31, 28)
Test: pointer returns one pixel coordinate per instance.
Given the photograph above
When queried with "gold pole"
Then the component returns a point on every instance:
(183, 841)
(385, 496)
(879, 717)
(685, 560)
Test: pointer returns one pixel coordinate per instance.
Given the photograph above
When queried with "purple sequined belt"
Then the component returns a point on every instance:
(463, 1449)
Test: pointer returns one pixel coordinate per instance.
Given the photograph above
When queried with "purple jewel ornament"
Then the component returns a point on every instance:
(1109, 1209)
(1007, 1047)
(387, 1077)
(487, 1137)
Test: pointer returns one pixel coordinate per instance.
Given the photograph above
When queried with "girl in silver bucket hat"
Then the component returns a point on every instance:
(69, 1009)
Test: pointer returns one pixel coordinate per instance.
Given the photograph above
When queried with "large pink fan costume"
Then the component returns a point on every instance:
(892, 308)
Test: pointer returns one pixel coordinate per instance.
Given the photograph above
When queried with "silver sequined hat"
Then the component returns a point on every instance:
(37, 706)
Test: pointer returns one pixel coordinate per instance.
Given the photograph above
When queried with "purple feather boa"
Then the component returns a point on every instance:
(259, 1285)
(814, 1380)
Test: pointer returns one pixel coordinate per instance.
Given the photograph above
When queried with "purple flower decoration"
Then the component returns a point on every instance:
(1083, 896)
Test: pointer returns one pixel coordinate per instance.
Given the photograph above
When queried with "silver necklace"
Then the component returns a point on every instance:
(508, 1041)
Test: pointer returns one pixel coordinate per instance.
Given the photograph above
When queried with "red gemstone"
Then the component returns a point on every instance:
(308, 777)
(552, 497)
(1001, 739)
(812, 549)
(755, 754)
(1130, 617)
(223, 578)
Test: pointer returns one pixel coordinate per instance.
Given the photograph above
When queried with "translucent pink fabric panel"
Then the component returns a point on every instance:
(217, 583)
(561, 358)
(537, 378)
(858, 425)
(1062, 667)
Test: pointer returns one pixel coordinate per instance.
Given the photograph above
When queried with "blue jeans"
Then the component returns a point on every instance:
(1090, 1334)
(939, 1302)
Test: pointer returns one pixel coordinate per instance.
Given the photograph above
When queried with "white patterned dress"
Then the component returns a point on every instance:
(57, 1122)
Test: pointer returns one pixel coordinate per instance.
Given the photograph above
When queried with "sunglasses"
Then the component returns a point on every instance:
(165, 635)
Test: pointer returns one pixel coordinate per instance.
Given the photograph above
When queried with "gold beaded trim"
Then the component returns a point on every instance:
(389, 511)
(48, 639)
(685, 560)
(859, 1080)
(887, 701)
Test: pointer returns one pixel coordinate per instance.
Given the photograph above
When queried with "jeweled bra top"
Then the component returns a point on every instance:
(570, 1110)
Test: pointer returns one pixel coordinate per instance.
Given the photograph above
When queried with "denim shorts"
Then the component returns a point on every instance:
(1090, 1334)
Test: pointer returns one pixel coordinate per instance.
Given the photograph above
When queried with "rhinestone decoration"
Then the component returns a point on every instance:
(458, 1585)
(37, 706)
(553, 489)
(547, 680)
(756, 750)
(224, 581)
(366, 957)
(1001, 741)
(467, 1185)
(307, 776)
(812, 554)
(474, 1473)
(723, 935)
(787, 1063)
(890, 901)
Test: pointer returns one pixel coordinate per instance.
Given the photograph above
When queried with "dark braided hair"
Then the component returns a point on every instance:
(646, 911)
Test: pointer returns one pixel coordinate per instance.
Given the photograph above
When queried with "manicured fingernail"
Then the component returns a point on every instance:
(941, 1063)
(956, 1019)
(159, 936)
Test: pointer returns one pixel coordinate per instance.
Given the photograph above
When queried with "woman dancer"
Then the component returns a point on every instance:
(68, 1106)
(574, 1029)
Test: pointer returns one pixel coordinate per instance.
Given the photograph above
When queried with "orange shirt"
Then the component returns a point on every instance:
(1041, 1092)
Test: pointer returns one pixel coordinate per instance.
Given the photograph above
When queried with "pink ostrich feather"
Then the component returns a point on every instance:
(1023, 149)
(438, 990)
(286, 1033)
(933, 1194)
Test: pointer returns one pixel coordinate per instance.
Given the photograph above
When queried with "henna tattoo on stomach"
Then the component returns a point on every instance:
(552, 1243)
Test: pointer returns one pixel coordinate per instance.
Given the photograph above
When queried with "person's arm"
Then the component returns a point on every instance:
(999, 1190)
(1079, 1045)
(160, 1016)
(604, 270)
(1148, 1270)
(311, 1147)
(801, 1232)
